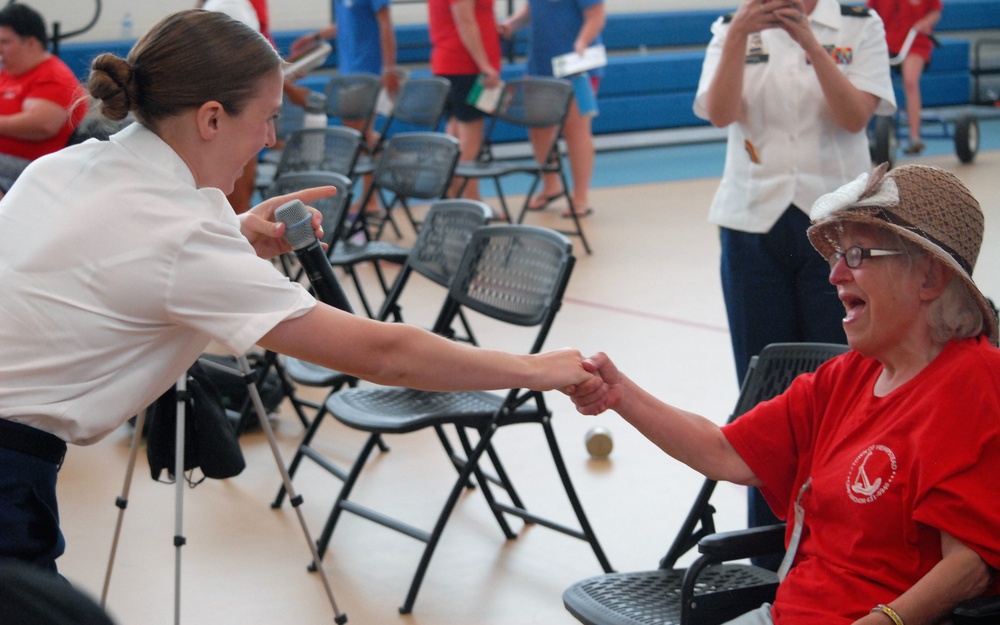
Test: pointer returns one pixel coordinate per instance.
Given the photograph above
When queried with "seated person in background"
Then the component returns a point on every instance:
(887, 455)
(41, 101)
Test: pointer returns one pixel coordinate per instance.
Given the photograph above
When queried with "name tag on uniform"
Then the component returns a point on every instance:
(755, 50)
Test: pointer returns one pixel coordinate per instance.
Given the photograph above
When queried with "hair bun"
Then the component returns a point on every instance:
(112, 81)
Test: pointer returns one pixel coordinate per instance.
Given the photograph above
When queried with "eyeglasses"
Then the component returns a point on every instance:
(855, 254)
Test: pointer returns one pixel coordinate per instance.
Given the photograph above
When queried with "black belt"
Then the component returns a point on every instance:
(32, 441)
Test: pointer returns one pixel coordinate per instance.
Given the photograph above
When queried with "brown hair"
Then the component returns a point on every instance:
(188, 58)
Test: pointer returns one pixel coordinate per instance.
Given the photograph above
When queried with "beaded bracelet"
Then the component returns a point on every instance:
(884, 609)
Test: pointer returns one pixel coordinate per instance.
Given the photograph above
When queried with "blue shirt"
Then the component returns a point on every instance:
(555, 25)
(358, 43)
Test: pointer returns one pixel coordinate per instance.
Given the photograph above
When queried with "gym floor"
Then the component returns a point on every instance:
(649, 295)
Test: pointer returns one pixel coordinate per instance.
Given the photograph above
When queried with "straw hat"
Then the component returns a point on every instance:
(926, 205)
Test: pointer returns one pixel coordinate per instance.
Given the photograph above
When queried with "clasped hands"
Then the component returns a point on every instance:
(758, 15)
(601, 391)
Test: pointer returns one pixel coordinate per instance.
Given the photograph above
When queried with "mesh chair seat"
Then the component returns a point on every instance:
(348, 253)
(488, 169)
(654, 597)
(401, 410)
(309, 374)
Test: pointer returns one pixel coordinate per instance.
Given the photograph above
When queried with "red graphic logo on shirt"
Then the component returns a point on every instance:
(871, 474)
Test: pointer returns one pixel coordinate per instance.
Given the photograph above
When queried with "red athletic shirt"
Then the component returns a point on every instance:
(49, 80)
(888, 475)
(899, 16)
(448, 53)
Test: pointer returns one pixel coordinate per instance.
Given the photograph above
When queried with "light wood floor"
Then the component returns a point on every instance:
(649, 296)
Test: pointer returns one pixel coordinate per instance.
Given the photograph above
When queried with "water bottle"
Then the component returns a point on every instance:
(315, 116)
(128, 27)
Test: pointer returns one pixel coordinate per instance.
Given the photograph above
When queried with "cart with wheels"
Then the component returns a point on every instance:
(885, 130)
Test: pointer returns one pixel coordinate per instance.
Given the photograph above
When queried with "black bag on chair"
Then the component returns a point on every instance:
(210, 439)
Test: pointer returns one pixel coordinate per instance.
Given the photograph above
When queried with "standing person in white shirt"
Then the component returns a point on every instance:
(795, 82)
(121, 260)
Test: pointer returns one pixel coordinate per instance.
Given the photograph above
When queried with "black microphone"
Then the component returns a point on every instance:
(300, 235)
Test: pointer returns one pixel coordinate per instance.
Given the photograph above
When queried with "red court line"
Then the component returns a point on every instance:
(639, 313)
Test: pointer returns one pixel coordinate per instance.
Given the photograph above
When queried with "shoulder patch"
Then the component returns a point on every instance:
(854, 11)
(728, 17)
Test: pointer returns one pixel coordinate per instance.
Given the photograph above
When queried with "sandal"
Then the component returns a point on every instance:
(587, 212)
(541, 202)
(915, 147)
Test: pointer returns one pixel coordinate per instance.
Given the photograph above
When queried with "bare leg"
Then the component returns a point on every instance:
(470, 140)
(913, 67)
(580, 149)
(541, 140)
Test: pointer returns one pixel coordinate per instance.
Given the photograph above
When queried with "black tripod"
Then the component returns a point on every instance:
(250, 376)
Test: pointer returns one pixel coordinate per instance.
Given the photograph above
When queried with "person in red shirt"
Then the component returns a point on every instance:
(465, 44)
(901, 16)
(41, 101)
(891, 450)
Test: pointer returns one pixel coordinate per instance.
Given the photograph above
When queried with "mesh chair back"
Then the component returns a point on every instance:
(776, 366)
(535, 102)
(516, 274)
(444, 238)
(421, 101)
(290, 119)
(352, 96)
(333, 149)
(417, 165)
(333, 208)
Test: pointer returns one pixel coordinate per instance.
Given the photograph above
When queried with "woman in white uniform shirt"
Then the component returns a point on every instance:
(121, 260)
(795, 83)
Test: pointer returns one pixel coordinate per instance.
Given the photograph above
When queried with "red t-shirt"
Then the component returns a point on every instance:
(448, 53)
(49, 80)
(888, 475)
(899, 16)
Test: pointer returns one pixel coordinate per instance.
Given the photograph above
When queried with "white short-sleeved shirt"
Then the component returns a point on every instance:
(117, 272)
(240, 10)
(788, 123)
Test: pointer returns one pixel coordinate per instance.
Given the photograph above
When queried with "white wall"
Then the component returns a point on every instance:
(285, 14)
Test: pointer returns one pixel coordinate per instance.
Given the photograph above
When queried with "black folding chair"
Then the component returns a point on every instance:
(331, 149)
(419, 106)
(435, 256)
(352, 98)
(516, 275)
(530, 103)
(411, 166)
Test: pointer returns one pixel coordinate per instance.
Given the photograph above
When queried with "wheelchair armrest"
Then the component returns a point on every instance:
(979, 610)
(748, 543)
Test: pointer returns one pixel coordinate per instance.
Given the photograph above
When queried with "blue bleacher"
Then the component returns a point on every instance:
(654, 62)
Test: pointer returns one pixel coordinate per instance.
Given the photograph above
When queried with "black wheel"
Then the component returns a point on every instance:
(966, 137)
(883, 144)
